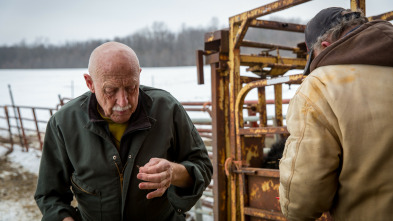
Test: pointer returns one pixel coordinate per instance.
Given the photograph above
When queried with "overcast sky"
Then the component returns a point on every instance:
(57, 21)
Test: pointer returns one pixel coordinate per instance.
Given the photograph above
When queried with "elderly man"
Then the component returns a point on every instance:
(339, 156)
(125, 151)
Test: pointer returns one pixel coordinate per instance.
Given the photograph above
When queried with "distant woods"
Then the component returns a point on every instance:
(155, 46)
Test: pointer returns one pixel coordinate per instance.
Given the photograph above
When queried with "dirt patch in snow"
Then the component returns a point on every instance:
(17, 187)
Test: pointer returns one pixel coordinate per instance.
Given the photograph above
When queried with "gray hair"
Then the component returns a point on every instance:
(336, 32)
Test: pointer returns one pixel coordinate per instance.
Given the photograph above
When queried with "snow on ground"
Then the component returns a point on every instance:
(18, 178)
(30, 161)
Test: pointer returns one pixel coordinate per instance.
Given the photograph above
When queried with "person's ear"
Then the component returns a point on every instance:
(325, 44)
(89, 82)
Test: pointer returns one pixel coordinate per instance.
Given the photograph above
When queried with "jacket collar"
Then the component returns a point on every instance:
(139, 119)
(371, 43)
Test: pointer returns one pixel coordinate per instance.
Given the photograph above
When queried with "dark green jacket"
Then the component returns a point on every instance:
(79, 153)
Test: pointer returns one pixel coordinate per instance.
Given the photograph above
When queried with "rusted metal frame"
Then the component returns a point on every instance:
(262, 131)
(216, 57)
(239, 124)
(234, 81)
(23, 129)
(37, 108)
(265, 214)
(358, 4)
(220, 130)
(38, 129)
(278, 104)
(195, 109)
(388, 16)
(204, 130)
(252, 59)
(7, 116)
(253, 44)
(251, 102)
(262, 108)
(261, 83)
(266, 9)
(197, 103)
(199, 64)
(226, 102)
(246, 79)
(241, 32)
(271, 173)
(275, 25)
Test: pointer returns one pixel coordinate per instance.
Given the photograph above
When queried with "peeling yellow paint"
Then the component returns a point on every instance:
(252, 152)
(269, 185)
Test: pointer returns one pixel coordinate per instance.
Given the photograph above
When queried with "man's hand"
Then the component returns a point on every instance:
(69, 218)
(159, 174)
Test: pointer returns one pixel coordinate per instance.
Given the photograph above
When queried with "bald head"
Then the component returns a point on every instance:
(114, 79)
(110, 57)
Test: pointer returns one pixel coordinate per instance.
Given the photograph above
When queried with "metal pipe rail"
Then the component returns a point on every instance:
(26, 124)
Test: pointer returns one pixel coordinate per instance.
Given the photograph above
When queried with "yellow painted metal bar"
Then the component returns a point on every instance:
(358, 4)
(241, 33)
(278, 104)
(388, 16)
(234, 81)
(274, 25)
(267, 9)
(251, 59)
(261, 83)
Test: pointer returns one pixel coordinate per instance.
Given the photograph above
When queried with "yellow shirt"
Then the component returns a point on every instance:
(116, 129)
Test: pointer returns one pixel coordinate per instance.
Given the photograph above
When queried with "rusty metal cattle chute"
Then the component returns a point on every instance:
(242, 189)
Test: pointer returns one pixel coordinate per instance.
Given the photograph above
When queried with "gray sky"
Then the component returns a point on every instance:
(76, 20)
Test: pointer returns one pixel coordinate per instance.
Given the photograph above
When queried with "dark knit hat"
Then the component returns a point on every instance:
(319, 25)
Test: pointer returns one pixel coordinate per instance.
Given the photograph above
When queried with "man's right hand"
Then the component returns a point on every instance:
(69, 218)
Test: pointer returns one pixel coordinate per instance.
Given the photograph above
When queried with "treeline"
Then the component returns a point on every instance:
(155, 46)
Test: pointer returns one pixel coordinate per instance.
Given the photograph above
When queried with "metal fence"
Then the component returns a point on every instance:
(25, 126)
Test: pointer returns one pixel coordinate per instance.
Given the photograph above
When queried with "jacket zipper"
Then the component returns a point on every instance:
(121, 175)
(81, 189)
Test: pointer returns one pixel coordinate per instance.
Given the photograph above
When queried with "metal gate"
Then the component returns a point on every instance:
(242, 189)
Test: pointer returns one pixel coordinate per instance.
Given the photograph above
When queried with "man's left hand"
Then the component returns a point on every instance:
(158, 175)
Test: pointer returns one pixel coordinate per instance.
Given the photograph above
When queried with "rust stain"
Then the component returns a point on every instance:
(346, 79)
(221, 94)
(306, 109)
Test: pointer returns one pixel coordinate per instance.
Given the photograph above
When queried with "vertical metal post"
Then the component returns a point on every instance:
(23, 130)
(38, 129)
(9, 127)
(15, 115)
(278, 108)
(220, 127)
(359, 4)
(233, 78)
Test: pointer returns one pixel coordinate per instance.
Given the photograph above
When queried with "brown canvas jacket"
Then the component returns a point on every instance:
(339, 156)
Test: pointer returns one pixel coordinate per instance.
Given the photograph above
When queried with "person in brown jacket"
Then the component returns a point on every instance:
(339, 155)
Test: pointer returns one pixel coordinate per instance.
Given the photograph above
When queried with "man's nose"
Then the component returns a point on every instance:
(121, 98)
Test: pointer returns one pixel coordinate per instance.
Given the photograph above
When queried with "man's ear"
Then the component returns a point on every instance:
(89, 82)
(325, 44)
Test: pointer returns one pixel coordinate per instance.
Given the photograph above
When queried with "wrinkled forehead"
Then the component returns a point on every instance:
(120, 79)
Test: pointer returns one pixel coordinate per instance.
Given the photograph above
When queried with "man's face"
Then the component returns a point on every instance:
(117, 96)
(114, 78)
(116, 90)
